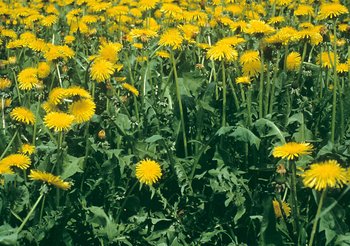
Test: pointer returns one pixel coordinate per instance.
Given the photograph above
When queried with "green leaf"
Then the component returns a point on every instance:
(245, 135)
(153, 139)
(8, 235)
(267, 128)
(71, 166)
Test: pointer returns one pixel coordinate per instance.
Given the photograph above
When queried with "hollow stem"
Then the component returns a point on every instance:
(178, 95)
(314, 226)
(30, 213)
(295, 210)
(335, 83)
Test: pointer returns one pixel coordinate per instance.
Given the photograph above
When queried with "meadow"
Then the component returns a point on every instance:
(174, 122)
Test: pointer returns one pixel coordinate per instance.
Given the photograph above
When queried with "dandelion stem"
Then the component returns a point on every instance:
(335, 83)
(30, 213)
(178, 95)
(319, 208)
(223, 123)
(295, 210)
(9, 144)
(261, 86)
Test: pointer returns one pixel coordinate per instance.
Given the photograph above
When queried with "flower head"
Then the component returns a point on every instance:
(220, 52)
(148, 171)
(171, 37)
(4, 83)
(101, 70)
(23, 115)
(293, 61)
(16, 160)
(58, 121)
(243, 80)
(292, 150)
(325, 174)
(277, 208)
(43, 70)
(27, 149)
(82, 110)
(50, 179)
(331, 10)
(28, 78)
(130, 88)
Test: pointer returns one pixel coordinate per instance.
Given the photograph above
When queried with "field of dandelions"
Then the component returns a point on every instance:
(174, 122)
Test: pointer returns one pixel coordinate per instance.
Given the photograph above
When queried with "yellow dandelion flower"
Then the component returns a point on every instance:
(162, 54)
(56, 52)
(50, 179)
(101, 70)
(147, 4)
(251, 64)
(327, 59)
(138, 46)
(109, 51)
(276, 20)
(28, 78)
(5, 83)
(16, 160)
(292, 150)
(331, 10)
(23, 115)
(222, 52)
(304, 10)
(325, 174)
(82, 110)
(27, 149)
(243, 80)
(259, 27)
(277, 208)
(57, 95)
(77, 91)
(171, 37)
(43, 70)
(293, 61)
(148, 171)
(342, 68)
(58, 121)
(130, 88)
(233, 41)
(38, 45)
(49, 20)
(69, 39)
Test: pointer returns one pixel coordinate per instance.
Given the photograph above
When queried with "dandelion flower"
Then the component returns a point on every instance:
(16, 160)
(327, 59)
(292, 150)
(325, 174)
(251, 64)
(220, 52)
(130, 88)
(277, 208)
(50, 179)
(77, 91)
(109, 51)
(171, 37)
(27, 149)
(331, 10)
(57, 95)
(162, 54)
(259, 27)
(82, 110)
(58, 121)
(28, 78)
(293, 61)
(148, 171)
(4, 83)
(101, 70)
(243, 80)
(23, 115)
(43, 70)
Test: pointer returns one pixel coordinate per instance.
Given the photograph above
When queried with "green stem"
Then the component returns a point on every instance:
(9, 144)
(124, 202)
(36, 120)
(249, 106)
(42, 209)
(30, 213)
(295, 210)
(335, 84)
(223, 123)
(261, 86)
(267, 93)
(178, 95)
(319, 208)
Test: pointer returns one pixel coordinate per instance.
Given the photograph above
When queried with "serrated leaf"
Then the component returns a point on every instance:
(245, 135)
(71, 166)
